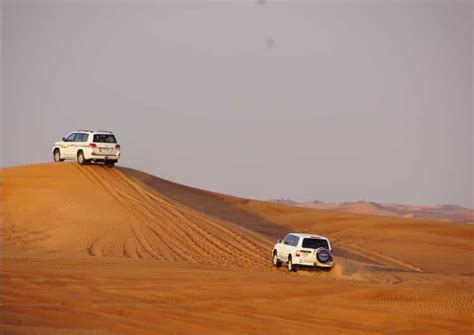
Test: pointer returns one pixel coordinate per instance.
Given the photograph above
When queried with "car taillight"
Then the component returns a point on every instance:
(92, 145)
(117, 147)
(297, 254)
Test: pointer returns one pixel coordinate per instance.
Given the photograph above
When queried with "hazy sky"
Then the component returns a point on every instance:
(330, 100)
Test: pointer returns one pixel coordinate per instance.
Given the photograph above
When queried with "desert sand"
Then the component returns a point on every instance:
(94, 250)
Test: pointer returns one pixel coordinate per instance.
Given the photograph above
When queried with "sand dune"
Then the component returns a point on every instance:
(447, 213)
(92, 210)
(93, 250)
(405, 241)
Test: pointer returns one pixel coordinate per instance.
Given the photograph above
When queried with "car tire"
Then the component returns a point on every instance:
(323, 255)
(57, 156)
(81, 159)
(275, 260)
(291, 267)
(110, 164)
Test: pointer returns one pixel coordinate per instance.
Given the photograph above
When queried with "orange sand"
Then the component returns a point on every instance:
(94, 250)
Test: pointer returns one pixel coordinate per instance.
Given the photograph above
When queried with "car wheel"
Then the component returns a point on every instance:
(291, 266)
(323, 255)
(110, 164)
(80, 158)
(276, 261)
(57, 156)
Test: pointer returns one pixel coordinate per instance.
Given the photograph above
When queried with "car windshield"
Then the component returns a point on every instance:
(104, 138)
(315, 243)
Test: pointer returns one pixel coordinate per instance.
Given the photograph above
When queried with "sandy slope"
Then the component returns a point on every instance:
(93, 250)
(386, 241)
(72, 210)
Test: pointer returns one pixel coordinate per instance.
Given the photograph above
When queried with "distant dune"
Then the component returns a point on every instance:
(448, 213)
(94, 250)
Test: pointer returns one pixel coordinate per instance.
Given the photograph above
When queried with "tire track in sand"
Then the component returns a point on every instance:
(164, 230)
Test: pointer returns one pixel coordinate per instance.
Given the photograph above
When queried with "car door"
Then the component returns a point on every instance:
(284, 249)
(291, 247)
(280, 247)
(67, 145)
(77, 143)
(294, 244)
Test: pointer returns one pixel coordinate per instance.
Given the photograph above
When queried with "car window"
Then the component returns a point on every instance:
(71, 137)
(315, 243)
(291, 240)
(104, 138)
(295, 241)
(81, 137)
(78, 137)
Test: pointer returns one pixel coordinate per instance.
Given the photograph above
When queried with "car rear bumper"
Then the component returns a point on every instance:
(101, 157)
(104, 160)
(315, 263)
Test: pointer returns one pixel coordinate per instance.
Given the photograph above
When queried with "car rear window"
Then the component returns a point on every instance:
(104, 138)
(315, 243)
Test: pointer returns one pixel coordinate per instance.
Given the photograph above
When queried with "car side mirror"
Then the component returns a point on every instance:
(279, 241)
(64, 139)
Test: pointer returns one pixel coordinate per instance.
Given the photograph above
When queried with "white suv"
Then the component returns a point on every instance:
(303, 249)
(88, 146)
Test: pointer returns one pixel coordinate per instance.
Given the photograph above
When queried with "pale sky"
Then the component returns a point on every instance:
(329, 100)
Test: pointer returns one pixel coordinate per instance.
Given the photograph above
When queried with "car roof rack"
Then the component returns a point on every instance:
(103, 131)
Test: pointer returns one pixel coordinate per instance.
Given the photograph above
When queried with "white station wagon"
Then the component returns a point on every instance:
(87, 146)
(303, 249)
